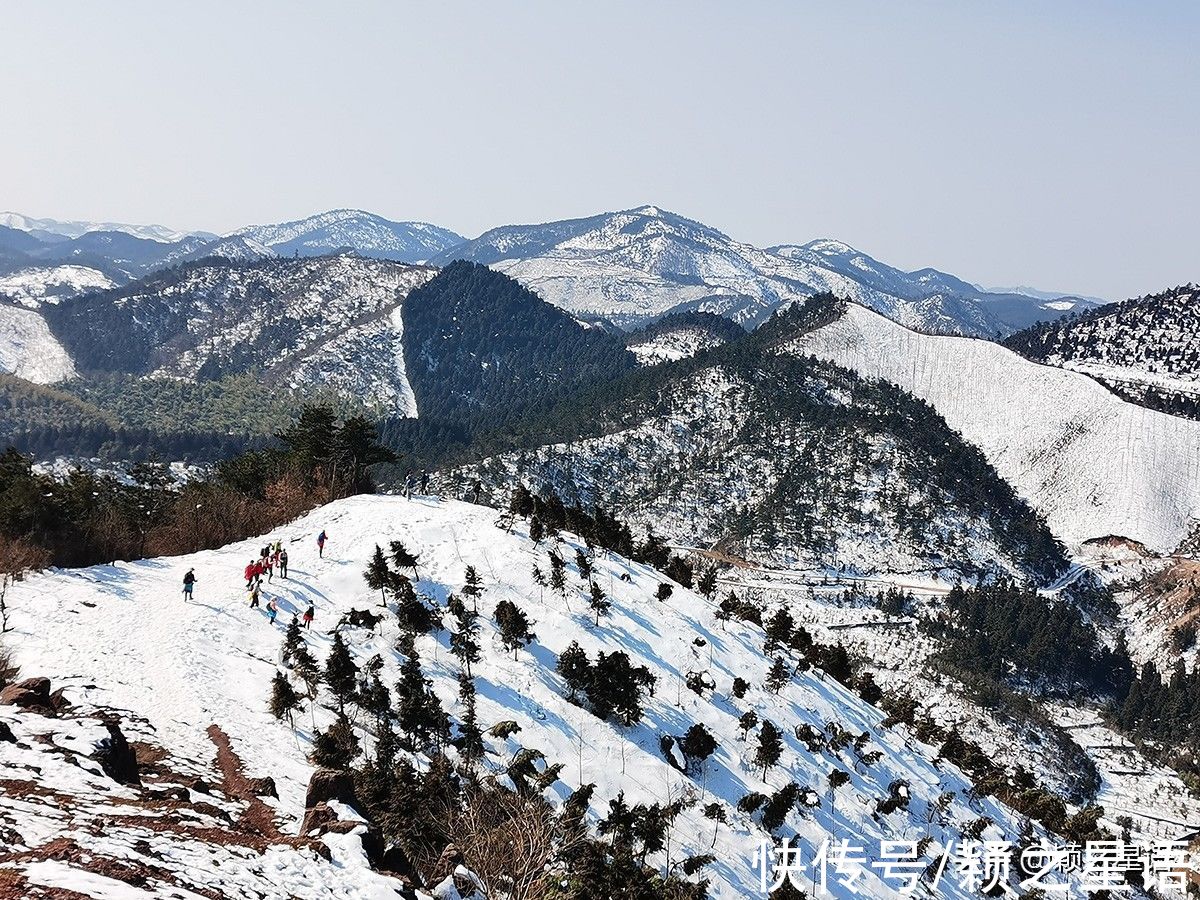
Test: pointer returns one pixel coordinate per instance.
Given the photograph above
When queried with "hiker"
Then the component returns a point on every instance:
(476, 488)
(268, 567)
(251, 573)
(188, 581)
(258, 572)
(308, 616)
(410, 482)
(282, 563)
(321, 538)
(272, 610)
(254, 597)
(425, 483)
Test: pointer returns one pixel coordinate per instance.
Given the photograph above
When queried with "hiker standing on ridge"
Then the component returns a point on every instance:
(308, 616)
(188, 581)
(321, 538)
(283, 563)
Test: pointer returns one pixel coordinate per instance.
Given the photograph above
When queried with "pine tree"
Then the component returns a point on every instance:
(337, 746)
(698, 744)
(664, 591)
(779, 629)
(284, 699)
(558, 574)
(514, 626)
(740, 686)
(462, 642)
(470, 737)
(584, 564)
(575, 669)
(536, 530)
(341, 674)
(293, 640)
(778, 676)
(417, 710)
(708, 582)
(599, 602)
(770, 746)
(378, 576)
(307, 669)
(747, 722)
(473, 588)
(403, 558)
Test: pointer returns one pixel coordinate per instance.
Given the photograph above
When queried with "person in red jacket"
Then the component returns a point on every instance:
(251, 574)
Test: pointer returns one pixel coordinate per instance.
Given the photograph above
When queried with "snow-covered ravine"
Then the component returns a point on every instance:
(1093, 464)
(121, 637)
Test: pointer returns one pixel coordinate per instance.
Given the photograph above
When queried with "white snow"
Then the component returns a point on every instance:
(1093, 464)
(36, 285)
(29, 350)
(120, 636)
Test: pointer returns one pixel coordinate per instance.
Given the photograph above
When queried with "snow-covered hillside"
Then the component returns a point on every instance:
(29, 350)
(638, 264)
(320, 322)
(1093, 464)
(119, 639)
(1146, 349)
(353, 229)
(49, 284)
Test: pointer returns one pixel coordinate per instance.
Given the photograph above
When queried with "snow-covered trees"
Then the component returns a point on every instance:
(341, 674)
(598, 602)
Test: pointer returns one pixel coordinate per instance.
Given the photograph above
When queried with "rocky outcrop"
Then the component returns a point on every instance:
(116, 756)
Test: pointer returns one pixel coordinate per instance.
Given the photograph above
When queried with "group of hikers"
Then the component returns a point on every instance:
(413, 481)
(272, 558)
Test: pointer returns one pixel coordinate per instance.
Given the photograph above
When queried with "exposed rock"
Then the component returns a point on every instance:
(262, 787)
(318, 817)
(58, 702)
(116, 757)
(32, 693)
(6, 734)
(331, 784)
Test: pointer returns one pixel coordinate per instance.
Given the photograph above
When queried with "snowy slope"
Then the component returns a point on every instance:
(1093, 464)
(363, 232)
(49, 284)
(29, 350)
(120, 637)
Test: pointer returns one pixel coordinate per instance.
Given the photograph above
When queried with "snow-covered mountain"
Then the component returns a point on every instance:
(328, 322)
(1146, 349)
(189, 683)
(779, 458)
(74, 229)
(636, 265)
(50, 284)
(1091, 463)
(353, 229)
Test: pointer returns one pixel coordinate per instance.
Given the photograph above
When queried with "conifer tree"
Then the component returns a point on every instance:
(770, 746)
(514, 626)
(378, 576)
(584, 564)
(337, 746)
(284, 699)
(470, 737)
(664, 591)
(341, 673)
(558, 574)
(599, 602)
(473, 587)
(747, 722)
(307, 669)
(403, 558)
(575, 669)
(778, 676)
(708, 582)
(293, 640)
(536, 530)
(698, 744)
(779, 629)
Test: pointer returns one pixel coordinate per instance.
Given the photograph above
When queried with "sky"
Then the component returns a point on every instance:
(1045, 144)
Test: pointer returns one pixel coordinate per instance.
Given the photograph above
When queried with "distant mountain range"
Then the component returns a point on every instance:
(627, 268)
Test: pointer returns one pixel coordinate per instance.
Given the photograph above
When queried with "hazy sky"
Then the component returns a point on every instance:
(1048, 143)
